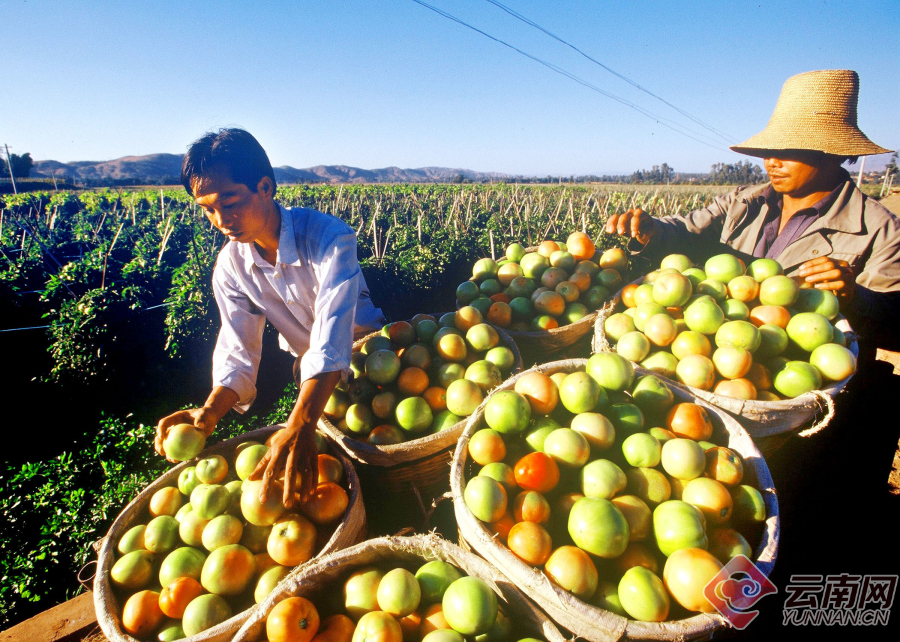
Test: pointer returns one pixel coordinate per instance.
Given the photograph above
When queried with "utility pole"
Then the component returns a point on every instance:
(9, 164)
(862, 168)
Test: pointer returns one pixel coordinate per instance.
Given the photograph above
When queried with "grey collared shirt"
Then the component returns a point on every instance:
(771, 242)
(315, 295)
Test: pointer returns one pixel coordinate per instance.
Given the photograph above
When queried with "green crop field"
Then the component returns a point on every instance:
(107, 314)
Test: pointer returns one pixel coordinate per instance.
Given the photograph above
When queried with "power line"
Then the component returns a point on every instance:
(615, 73)
(659, 119)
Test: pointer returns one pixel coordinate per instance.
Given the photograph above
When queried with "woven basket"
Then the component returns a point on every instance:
(582, 619)
(421, 463)
(349, 531)
(318, 578)
(770, 423)
(539, 345)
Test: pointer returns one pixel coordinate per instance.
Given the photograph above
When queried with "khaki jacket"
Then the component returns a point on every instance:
(855, 228)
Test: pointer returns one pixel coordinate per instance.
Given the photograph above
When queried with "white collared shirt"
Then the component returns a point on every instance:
(315, 296)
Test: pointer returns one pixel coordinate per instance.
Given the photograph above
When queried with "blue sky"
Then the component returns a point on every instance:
(388, 82)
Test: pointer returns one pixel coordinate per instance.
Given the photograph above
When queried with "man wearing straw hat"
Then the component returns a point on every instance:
(813, 220)
(810, 217)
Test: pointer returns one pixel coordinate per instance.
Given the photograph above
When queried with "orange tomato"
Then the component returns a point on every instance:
(330, 469)
(377, 626)
(175, 597)
(628, 295)
(142, 615)
(531, 506)
(759, 376)
(572, 569)
(502, 527)
(711, 497)
(327, 504)
(466, 317)
(547, 248)
(436, 398)
(537, 471)
(294, 619)
(500, 297)
(580, 246)
(500, 313)
(292, 540)
(687, 572)
(335, 628)
(637, 554)
(690, 421)
(486, 447)
(540, 391)
(736, 388)
(412, 381)
(724, 465)
(433, 620)
(409, 624)
(581, 280)
(770, 314)
(530, 542)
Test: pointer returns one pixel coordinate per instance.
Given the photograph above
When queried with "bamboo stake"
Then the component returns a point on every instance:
(493, 254)
(108, 252)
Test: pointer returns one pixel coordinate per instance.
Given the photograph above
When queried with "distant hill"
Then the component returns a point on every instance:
(166, 168)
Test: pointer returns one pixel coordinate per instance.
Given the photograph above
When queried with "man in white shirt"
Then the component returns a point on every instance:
(296, 268)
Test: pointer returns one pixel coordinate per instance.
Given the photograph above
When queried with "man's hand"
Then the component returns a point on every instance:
(292, 452)
(825, 273)
(220, 401)
(635, 223)
(202, 418)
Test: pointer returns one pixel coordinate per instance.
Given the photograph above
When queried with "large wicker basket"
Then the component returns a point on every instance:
(422, 464)
(770, 423)
(349, 531)
(321, 577)
(580, 618)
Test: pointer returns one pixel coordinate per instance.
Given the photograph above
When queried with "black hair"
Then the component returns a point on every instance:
(233, 149)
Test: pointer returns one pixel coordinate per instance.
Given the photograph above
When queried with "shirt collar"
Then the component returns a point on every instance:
(287, 241)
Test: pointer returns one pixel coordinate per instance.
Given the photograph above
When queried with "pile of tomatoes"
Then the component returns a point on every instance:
(556, 285)
(747, 332)
(435, 602)
(210, 548)
(420, 377)
(613, 489)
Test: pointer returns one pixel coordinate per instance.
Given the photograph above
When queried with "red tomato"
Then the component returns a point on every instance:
(537, 471)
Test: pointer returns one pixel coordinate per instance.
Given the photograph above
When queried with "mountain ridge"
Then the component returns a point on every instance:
(157, 167)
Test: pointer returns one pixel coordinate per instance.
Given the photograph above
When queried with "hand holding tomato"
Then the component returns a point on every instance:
(204, 419)
(825, 273)
(293, 451)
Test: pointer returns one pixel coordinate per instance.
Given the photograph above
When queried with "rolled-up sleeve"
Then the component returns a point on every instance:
(239, 344)
(696, 233)
(340, 282)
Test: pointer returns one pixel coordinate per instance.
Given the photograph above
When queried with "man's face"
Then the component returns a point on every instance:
(237, 212)
(799, 173)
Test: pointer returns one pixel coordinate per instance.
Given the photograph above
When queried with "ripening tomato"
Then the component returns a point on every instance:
(686, 573)
(689, 421)
(530, 542)
(292, 620)
(537, 471)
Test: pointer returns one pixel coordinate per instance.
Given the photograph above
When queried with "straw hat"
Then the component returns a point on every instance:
(815, 111)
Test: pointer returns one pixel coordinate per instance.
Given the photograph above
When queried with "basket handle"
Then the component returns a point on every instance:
(829, 415)
(87, 582)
